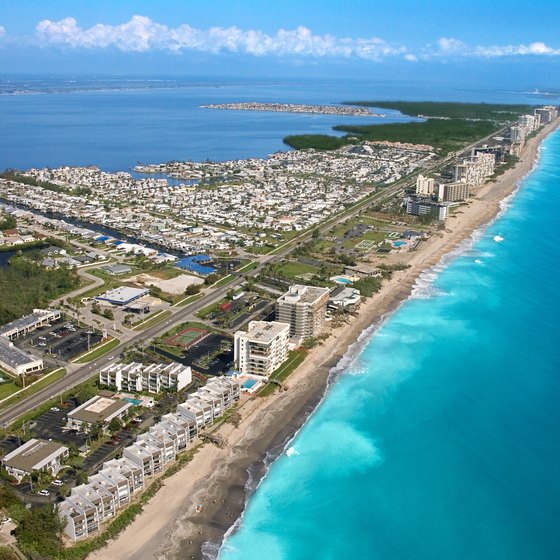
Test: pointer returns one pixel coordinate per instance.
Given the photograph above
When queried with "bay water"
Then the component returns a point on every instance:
(440, 438)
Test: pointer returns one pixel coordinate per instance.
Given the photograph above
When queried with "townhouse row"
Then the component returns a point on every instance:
(90, 505)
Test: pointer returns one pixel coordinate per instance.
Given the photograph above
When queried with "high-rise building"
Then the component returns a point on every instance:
(452, 192)
(425, 185)
(263, 348)
(304, 309)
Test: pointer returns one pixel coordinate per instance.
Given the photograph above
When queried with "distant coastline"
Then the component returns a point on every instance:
(341, 110)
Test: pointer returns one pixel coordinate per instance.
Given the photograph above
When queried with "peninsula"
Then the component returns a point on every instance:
(341, 110)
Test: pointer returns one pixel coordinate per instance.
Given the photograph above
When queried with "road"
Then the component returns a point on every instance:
(180, 315)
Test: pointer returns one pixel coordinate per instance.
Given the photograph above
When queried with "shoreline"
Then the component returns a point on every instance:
(217, 478)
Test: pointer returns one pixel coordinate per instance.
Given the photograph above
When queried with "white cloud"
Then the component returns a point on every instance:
(449, 47)
(141, 34)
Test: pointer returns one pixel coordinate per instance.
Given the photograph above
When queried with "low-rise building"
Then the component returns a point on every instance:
(153, 378)
(29, 323)
(17, 361)
(35, 455)
(344, 297)
(263, 348)
(97, 411)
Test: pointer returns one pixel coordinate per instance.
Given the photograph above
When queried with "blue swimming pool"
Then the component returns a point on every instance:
(399, 243)
(341, 280)
(135, 402)
(248, 383)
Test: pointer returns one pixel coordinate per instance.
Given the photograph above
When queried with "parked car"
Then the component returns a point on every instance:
(44, 493)
(57, 482)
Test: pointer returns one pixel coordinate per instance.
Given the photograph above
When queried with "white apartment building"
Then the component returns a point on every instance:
(136, 377)
(425, 185)
(263, 348)
(304, 309)
(35, 455)
(517, 135)
(89, 505)
(475, 169)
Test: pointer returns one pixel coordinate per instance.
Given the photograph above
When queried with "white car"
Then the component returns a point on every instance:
(57, 482)
(44, 493)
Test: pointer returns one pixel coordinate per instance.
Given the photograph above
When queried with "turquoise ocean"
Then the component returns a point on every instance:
(439, 437)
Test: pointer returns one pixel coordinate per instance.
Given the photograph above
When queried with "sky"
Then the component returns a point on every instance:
(399, 39)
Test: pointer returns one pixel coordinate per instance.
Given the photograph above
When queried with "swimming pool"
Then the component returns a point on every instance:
(135, 402)
(248, 383)
(342, 280)
(399, 243)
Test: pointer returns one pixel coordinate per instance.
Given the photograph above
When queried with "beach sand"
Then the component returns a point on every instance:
(170, 526)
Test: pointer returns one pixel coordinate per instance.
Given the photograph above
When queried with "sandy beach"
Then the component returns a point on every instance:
(216, 478)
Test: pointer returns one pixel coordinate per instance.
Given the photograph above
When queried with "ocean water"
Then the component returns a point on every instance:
(440, 438)
(114, 123)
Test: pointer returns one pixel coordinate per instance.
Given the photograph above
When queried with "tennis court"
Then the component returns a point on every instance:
(366, 245)
(187, 337)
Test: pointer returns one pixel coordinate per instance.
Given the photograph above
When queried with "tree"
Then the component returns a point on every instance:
(192, 289)
(115, 425)
(211, 279)
(108, 314)
(40, 532)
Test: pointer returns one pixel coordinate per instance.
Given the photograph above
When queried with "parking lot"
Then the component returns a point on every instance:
(60, 342)
(217, 345)
(51, 425)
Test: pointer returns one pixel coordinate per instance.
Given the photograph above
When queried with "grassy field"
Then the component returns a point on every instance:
(295, 358)
(7, 389)
(32, 389)
(293, 269)
(98, 352)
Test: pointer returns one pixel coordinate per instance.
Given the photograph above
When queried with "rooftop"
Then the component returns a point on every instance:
(266, 331)
(30, 320)
(34, 454)
(123, 295)
(303, 294)
(10, 355)
(99, 409)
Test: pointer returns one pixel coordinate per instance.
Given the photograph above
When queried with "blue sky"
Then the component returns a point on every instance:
(478, 39)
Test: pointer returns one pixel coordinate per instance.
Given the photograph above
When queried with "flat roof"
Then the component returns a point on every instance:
(116, 268)
(99, 409)
(34, 454)
(13, 356)
(299, 293)
(30, 320)
(265, 331)
(123, 295)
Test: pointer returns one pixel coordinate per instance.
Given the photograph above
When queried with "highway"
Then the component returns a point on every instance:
(183, 314)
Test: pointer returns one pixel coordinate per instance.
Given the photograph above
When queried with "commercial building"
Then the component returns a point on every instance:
(262, 349)
(116, 269)
(452, 192)
(27, 324)
(153, 378)
(17, 361)
(304, 309)
(98, 410)
(35, 455)
(123, 295)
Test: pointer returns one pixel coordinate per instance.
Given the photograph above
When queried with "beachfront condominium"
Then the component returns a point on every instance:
(452, 192)
(152, 378)
(425, 185)
(263, 348)
(304, 309)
